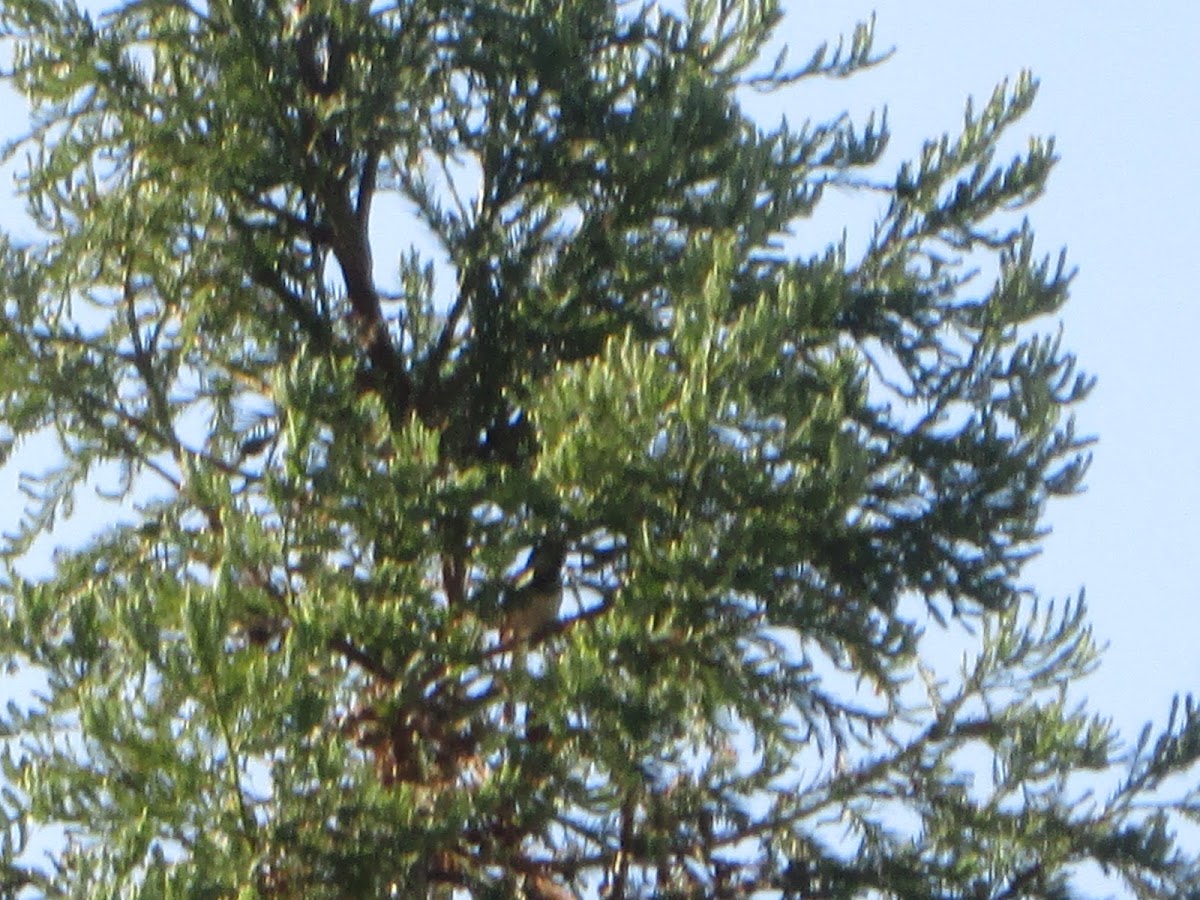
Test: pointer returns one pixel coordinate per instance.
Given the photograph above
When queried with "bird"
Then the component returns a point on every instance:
(532, 601)
(529, 605)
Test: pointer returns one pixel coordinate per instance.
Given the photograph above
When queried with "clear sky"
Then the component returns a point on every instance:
(1121, 94)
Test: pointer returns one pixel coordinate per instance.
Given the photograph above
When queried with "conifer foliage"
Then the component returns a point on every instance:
(355, 309)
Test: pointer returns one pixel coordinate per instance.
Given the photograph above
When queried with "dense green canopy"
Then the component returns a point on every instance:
(355, 306)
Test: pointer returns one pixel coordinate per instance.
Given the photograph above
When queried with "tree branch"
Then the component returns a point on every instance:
(351, 247)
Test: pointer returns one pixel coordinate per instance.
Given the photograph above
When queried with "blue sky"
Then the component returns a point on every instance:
(1121, 94)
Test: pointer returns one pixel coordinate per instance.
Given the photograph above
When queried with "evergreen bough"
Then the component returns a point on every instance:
(350, 306)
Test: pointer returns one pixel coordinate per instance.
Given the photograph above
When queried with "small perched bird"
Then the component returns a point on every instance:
(532, 601)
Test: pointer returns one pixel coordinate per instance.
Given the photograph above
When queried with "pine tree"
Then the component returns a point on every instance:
(506, 503)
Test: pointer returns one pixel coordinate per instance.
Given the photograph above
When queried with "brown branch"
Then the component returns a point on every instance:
(314, 232)
(362, 659)
(433, 390)
(268, 278)
(621, 861)
(547, 631)
(366, 189)
(351, 247)
(144, 364)
(470, 254)
(539, 886)
(454, 560)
